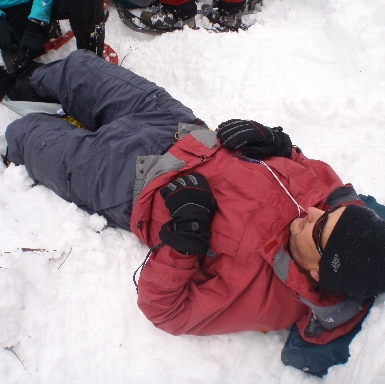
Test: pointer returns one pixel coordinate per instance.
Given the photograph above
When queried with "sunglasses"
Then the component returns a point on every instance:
(319, 226)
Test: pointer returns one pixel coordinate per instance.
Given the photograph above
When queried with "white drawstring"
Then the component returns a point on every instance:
(287, 192)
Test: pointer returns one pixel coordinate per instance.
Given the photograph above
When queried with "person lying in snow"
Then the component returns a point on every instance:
(25, 24)
(245, 232)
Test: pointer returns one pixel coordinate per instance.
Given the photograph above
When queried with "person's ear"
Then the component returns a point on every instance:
(314, 274)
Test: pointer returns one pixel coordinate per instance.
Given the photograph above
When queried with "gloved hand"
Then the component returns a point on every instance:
(192, 207)
(8, 37)
(32, 43)
(254, 139)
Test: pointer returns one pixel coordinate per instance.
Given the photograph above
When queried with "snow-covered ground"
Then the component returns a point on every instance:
(69, 315)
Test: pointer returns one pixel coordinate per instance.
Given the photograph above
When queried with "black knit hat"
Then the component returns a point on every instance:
(353, 261)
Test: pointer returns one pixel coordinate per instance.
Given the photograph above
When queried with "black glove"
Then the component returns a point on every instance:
(8, 37)
(192, 207)
(254, 139)
(32, 43)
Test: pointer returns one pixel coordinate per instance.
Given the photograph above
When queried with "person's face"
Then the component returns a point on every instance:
(302, 246)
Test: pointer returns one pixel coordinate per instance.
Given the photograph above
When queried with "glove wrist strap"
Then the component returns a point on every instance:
(41, 23)
(35, 26)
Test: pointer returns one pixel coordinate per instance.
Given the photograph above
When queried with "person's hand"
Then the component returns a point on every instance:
(253, 139)
(32, 43)
(8, 37)
(192, 206)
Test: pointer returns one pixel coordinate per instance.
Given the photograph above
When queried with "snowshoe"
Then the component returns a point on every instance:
(230, 21)
(154, 21)
(165, 17)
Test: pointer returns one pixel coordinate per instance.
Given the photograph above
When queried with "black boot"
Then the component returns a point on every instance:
(6, 81)
(5, 159)
(14, 61)
(17, 87)
(165, 17)
(228, 15)
(92, 40)
(226, 8)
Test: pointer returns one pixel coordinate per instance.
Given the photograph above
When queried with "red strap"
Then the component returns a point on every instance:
(110, 55)
(60, 41)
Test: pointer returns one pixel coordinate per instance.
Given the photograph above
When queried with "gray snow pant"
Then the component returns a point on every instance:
(130, 117)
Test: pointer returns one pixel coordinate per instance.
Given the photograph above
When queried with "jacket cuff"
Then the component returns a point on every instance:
(42, 13)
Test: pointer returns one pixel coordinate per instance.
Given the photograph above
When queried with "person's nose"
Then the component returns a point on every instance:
(314, 214)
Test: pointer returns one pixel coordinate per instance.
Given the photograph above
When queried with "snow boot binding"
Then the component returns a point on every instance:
(159, 18)
(168, 18)
(229, 15)
(54, 31)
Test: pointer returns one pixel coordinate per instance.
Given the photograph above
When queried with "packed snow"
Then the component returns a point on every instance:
(68, 310)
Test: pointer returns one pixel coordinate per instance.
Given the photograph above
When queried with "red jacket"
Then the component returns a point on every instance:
(252, 283)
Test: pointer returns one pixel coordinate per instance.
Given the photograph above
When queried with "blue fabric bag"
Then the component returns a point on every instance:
(371, 202)
(316, 359)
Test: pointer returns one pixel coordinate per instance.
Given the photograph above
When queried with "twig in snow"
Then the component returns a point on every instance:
(38, 250)
(65, 259)
(33, 250)
(11, 349)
